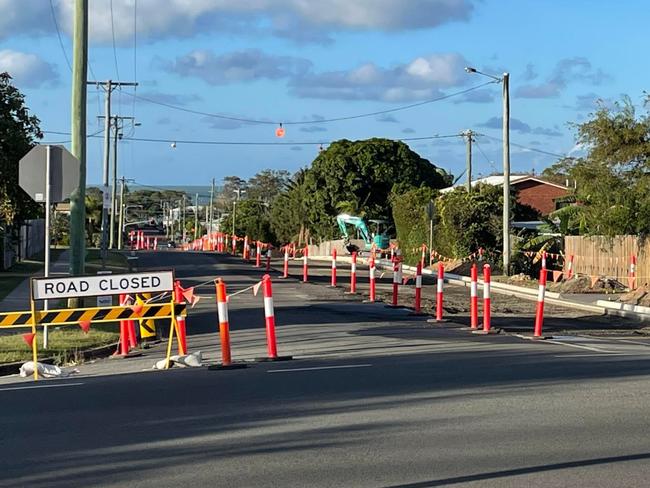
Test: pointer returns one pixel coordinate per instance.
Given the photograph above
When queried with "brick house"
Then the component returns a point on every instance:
(532, 191)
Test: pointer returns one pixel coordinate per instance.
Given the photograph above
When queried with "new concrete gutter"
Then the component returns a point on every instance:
(502, 288)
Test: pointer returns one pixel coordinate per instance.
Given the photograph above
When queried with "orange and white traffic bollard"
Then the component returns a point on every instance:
(439, 290)
(333, 279)
(285, 270)
(569, 272)
(473, 297)
(124, 329)
(544, 254)
(423, 256)
(539, 313)
(268, 260)
(397, 278)
(353, 273)
(373, 283)
(224, 329)
(180, 320)
(258, 255)
(418, 289)
(487, 315)
(246, 255)
(632, 278)
(305, 264)
(269, 316)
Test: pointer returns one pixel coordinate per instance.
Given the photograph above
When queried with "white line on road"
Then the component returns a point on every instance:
(594, 349)
(61, 385)
(318, 368)
(596, 355)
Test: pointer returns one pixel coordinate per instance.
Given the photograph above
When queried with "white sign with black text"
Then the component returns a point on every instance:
(89, 286)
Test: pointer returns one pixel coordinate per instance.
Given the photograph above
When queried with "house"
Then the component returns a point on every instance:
(533, 191)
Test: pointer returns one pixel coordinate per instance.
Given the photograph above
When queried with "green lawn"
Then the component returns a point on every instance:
(11, 278)
(64, 343)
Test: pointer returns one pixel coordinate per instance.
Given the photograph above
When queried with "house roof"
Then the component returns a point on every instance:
(497, 180)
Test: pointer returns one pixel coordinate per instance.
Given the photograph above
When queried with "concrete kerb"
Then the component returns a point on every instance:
(505, 289)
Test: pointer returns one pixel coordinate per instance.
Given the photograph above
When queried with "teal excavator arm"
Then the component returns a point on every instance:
(343, 220)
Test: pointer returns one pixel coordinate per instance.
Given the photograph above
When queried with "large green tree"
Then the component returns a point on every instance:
(613, 179)
(18, 132)
(358, 177)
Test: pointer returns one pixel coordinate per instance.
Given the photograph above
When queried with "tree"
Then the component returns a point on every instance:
(613, 188)
(289, 220)
(18, 132)
(252, 220)
(267, 184)
(361, 175)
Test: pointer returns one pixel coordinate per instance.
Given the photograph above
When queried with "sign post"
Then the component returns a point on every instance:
(48, 174)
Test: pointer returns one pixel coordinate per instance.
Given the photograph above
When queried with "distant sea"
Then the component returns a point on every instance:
(190, 190)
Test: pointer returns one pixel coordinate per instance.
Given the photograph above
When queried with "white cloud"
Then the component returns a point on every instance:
(235, 67)
(27, 70)
(301, 20)
(419, 79)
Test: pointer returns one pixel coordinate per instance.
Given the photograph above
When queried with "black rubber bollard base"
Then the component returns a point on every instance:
(219, 367)
(487, 332)
(270, 360)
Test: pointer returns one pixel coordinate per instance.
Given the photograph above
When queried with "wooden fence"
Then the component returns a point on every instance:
(608, 257)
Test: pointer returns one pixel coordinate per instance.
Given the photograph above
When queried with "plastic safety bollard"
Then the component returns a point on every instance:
(353, 273)
(333, 280)
(373, 282)
(439, 291)
(397, 278)
(473, 297)
(569, 272)
(418, 289)
(180, 320)
(285, 269)
(305, 265)
(539, 313)
(258, 255)
(224, 330)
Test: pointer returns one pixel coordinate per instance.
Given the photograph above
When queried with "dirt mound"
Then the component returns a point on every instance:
(583, 284)
(640, 296)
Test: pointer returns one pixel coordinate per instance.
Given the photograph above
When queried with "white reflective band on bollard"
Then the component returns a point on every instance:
(540, 293)
(486, 290)
(418, 281)
(268, 306)
(222, 310)
(473, 291)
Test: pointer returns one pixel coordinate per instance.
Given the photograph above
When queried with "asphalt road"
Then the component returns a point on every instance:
(374, 398)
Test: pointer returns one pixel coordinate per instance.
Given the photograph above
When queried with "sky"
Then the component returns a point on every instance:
(204, 65)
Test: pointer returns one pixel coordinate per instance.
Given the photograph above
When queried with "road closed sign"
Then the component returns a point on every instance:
(89, 286)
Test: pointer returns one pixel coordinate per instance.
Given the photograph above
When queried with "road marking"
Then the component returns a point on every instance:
(628, 341)
(40, 386)
(597, 355)
(318, 368)
(594, 349)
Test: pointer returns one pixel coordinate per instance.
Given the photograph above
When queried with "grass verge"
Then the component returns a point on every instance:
(64, 343)
(19, 272)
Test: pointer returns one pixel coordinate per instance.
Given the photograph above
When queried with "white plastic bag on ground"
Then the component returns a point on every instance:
(44, 370)
(194, 360)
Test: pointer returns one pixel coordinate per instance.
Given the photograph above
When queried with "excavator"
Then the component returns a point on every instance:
(380, 239)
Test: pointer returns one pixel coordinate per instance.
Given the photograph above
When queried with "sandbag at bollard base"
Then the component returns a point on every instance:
(486, 332)
(219, 367)
(277, 358)
(130, 354)
(533, 338)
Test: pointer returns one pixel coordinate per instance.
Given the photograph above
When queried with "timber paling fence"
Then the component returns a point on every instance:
(609, 256)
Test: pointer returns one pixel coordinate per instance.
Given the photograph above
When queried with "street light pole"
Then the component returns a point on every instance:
(506, 174)
(505, 79)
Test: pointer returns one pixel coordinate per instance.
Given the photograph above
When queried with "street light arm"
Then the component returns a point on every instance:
(470, 70)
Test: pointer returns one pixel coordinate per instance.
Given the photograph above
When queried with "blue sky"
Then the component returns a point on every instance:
(297, 60)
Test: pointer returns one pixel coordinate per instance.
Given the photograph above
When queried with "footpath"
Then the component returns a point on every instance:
(18, 299)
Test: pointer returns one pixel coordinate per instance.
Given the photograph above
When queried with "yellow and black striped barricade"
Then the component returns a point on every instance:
(147, 326)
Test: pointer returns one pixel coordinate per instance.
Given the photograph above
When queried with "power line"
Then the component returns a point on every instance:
(489, 161)
(251, 143)
(305, 122)
(525, 147)
(135, 50)
(58, 33)
(117, 69)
